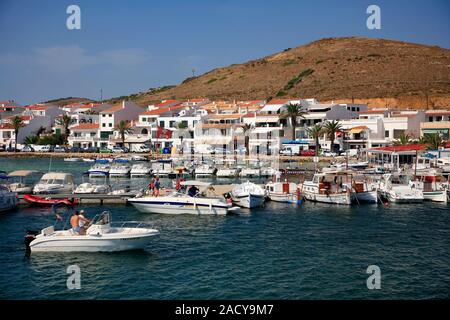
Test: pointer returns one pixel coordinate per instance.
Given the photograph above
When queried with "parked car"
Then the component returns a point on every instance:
(2, 148)
(42, 148)
(27, 148)
(92, 150)
(117, 149)
(76, 150)
(329, 154)
(59, 149)
(105, 150)
(12, 149)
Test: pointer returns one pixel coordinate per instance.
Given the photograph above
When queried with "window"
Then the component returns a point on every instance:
(103, 115)
(103, 125)
(144, 119)
(430, 119)
(161, 124)
(110, 115)
(110, 125)
(386, 133)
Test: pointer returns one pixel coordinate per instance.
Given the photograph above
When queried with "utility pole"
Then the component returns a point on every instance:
(101, 95)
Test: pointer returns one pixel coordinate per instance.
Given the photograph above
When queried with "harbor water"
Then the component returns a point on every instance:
(313, 251)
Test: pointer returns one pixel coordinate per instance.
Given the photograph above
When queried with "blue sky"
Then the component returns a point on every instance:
(129, 46)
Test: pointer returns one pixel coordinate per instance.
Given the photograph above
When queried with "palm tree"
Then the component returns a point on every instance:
(403, 140)
(293, 111)
(331, 128)
(31, 140)
(123, 127)
(315, 131)
(40, 131)
(65, 121)
(432, 140)
(247, 128)
(16, 123)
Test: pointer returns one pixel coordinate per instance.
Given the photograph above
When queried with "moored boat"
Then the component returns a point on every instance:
(328, 187)
(286, 192)
(248, 195)
(8, 199)
(45, 202)
(55, 182)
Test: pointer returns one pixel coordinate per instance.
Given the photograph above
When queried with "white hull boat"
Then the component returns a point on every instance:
(140, 170)
(100, 237)
(227, 173)
(250, 173)
(8, 199)
(55, 183)
(286, 192)
(248, 195)
(89, 188)
(327, 187)
(72, 159)
(119, 171)
(178, 203)
(99, 171)
(204, 171)
(434, 188)
(397, 192)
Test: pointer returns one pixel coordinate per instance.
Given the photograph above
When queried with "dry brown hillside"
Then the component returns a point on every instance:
(381, 72)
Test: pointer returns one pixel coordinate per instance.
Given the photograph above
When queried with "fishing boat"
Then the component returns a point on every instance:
(269, 172)
(19, 182)
(434, 187)
(286, 192)
(46, 202)
(99, 170)
(205, 170)
(248, 195)
(196, 200)
(119, 171)
(393, 189)
(351, 165)
(364, 189)
(328, 187)
(55, 182)
(89, 188)
(140, 170)
(250, 173)
(8, 199)
(100, 236)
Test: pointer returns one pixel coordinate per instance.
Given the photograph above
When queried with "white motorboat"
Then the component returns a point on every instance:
(89, 188)
(8, 199)
(227, 172)
(250, 173)
(119, 171)
(162, 168)
(195, 201)
(140, 170)
(72, 159)
(248, 195)
(434, 187)
(269, 172)
(20, 184)
(286, 192)
(100, 236)
(327, 187)
(99, 170)
(364, 189)
(205, 170)
(138, 158)
(54, 183)
(350, 165)
(391, 188)
(88, 160)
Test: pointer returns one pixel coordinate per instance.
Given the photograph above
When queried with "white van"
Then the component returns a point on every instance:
(139, 148)
(39, 148)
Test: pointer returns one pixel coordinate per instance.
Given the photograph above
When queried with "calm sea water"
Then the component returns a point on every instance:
(278, 252)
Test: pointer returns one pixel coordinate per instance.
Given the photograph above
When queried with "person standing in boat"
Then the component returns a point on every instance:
(157, 187)
(82, 222)
(151, 187)
(77, 222)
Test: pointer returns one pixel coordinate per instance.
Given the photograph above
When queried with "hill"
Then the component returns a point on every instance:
(378, 71)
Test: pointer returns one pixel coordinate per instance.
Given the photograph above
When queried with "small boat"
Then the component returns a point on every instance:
(46, 202)
(100, 236)
(138, 158)
(55, 182)
(72, 159)
(351, 165)
(205, 170)
(140, 170)
(364, 192)
(119, 171)
(269, 172)
(89, 188)
(88, 160)
(99, 170)
(434, 187)
(250, 173)
(20, 183)
(286, 192)
(8, 199)
(227, 172)
(195, 201)
(162, 168)
(392, 189)
(248, 195)
(328, 187)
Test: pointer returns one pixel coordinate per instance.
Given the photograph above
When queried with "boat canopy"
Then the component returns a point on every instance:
(195, 183)
(57, 176)
(22, 173)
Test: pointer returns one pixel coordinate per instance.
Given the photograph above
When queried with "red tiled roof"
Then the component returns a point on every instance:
(6, 126)
(113, 109)
(86, 126)
(437, 113)
(278, 101)
(161, 110)
(167, 103)
(409, 147)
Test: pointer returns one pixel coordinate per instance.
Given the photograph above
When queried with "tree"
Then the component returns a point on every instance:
(432, 140)
(123, 127)
(403, 140)
(314, 132)
(293, 111)
(17, 123)
(247, 128)
(31, 140)
(65, 121)
(40, 131)
(331, 128)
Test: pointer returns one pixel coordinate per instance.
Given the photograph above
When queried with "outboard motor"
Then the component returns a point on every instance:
(30, 236)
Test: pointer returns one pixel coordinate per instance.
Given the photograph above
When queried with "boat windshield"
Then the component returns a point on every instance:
(102, 219)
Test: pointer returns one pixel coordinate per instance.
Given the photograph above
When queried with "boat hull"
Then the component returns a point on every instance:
(249, 201)
(170, 207)
(436, 196)
(284, 197)
(366, 197)
(340, 198)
